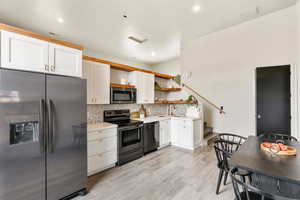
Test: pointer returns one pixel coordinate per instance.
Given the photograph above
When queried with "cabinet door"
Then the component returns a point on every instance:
(88, 75)
(23, 53)
(174, 131)
(168, 132)
(180, 133)
(101, 73)
(186, 138)
(65, 61)
(148, 88)
(162, 133)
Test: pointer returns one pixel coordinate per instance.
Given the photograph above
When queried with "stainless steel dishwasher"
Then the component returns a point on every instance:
(151, 137)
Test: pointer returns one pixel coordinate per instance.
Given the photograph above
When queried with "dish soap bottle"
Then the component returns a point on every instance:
(142, 112)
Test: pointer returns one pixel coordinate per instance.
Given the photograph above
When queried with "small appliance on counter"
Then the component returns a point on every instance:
(130, 135)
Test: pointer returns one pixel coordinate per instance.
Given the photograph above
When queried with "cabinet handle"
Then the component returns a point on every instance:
(53, 68)
(47, 67)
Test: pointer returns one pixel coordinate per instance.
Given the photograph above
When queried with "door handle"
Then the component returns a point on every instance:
(258, 116)
(53, 68)
(50, 146)
(47, 67)
(42, 126)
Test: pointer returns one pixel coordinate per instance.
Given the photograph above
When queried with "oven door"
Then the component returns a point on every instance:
(130, 139)
(122, 95)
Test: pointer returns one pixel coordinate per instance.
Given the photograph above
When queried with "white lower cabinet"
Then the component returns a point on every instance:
(186, 133)
(164, 133)
(102, 150)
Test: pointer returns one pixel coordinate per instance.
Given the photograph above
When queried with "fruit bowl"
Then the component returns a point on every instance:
(278, 149)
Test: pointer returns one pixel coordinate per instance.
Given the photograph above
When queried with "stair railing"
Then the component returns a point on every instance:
(177, 79)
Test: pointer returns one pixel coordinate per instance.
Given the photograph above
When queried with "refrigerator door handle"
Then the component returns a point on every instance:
(51, 127)
(42, 126)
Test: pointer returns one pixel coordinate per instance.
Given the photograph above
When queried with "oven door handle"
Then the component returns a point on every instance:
(129, 128)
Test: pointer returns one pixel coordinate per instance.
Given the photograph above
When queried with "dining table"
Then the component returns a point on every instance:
(252, 158)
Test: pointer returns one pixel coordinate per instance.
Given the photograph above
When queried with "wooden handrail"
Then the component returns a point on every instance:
(220, 109)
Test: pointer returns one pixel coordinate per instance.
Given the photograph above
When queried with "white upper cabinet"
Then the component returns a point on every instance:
(98, 82)
(23, 53)
(148, 88)
(144, 83)
(88, 75)
(30, 54)
(101, 83)
(65, 61)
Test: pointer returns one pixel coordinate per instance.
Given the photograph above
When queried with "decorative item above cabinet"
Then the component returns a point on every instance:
(20, 51)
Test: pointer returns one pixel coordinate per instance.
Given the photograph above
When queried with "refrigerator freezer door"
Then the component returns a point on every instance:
(67, 140)
(22, 152)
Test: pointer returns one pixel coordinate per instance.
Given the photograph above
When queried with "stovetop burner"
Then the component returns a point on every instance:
(120, 117)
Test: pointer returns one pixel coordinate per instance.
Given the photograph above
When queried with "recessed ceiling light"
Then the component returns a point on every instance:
(60, 20)
(196, 8)
(153, 53)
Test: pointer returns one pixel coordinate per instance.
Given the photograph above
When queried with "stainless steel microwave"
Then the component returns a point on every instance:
(120, 95)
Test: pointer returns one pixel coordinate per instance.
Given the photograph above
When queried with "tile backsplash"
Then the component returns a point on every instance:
(95, 112)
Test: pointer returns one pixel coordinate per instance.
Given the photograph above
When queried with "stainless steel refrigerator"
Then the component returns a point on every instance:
(43, 143)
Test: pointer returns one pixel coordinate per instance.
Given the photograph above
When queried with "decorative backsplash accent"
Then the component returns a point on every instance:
(95, 112)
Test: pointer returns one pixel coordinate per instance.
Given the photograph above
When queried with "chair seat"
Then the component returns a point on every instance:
(242, 172)
(252, 196)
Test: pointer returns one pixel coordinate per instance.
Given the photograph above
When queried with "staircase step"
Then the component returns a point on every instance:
(208, 131)
(210, 138)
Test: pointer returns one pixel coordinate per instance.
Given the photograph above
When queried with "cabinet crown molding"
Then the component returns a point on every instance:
(13, 29)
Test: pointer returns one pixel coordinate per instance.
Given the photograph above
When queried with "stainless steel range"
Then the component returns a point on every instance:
(130, 135)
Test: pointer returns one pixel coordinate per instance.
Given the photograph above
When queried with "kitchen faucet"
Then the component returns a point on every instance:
(172, 109)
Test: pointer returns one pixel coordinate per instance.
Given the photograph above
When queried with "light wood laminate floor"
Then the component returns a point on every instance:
(168, 174)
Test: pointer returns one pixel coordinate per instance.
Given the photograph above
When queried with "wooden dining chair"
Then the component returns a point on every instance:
(236, 140)
(231, 137)
(224, 150)
(276, 136)
(246, 191)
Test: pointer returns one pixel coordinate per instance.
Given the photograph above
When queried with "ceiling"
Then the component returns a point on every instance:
(99, 25)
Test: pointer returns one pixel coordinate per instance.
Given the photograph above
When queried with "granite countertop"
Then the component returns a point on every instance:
(100, 126)
(150, 119)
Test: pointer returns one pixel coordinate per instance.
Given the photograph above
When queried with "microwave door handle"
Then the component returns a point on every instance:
(42, 130)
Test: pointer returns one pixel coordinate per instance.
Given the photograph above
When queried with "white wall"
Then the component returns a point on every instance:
(100, 55)
(171, 67)
(223, 66)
